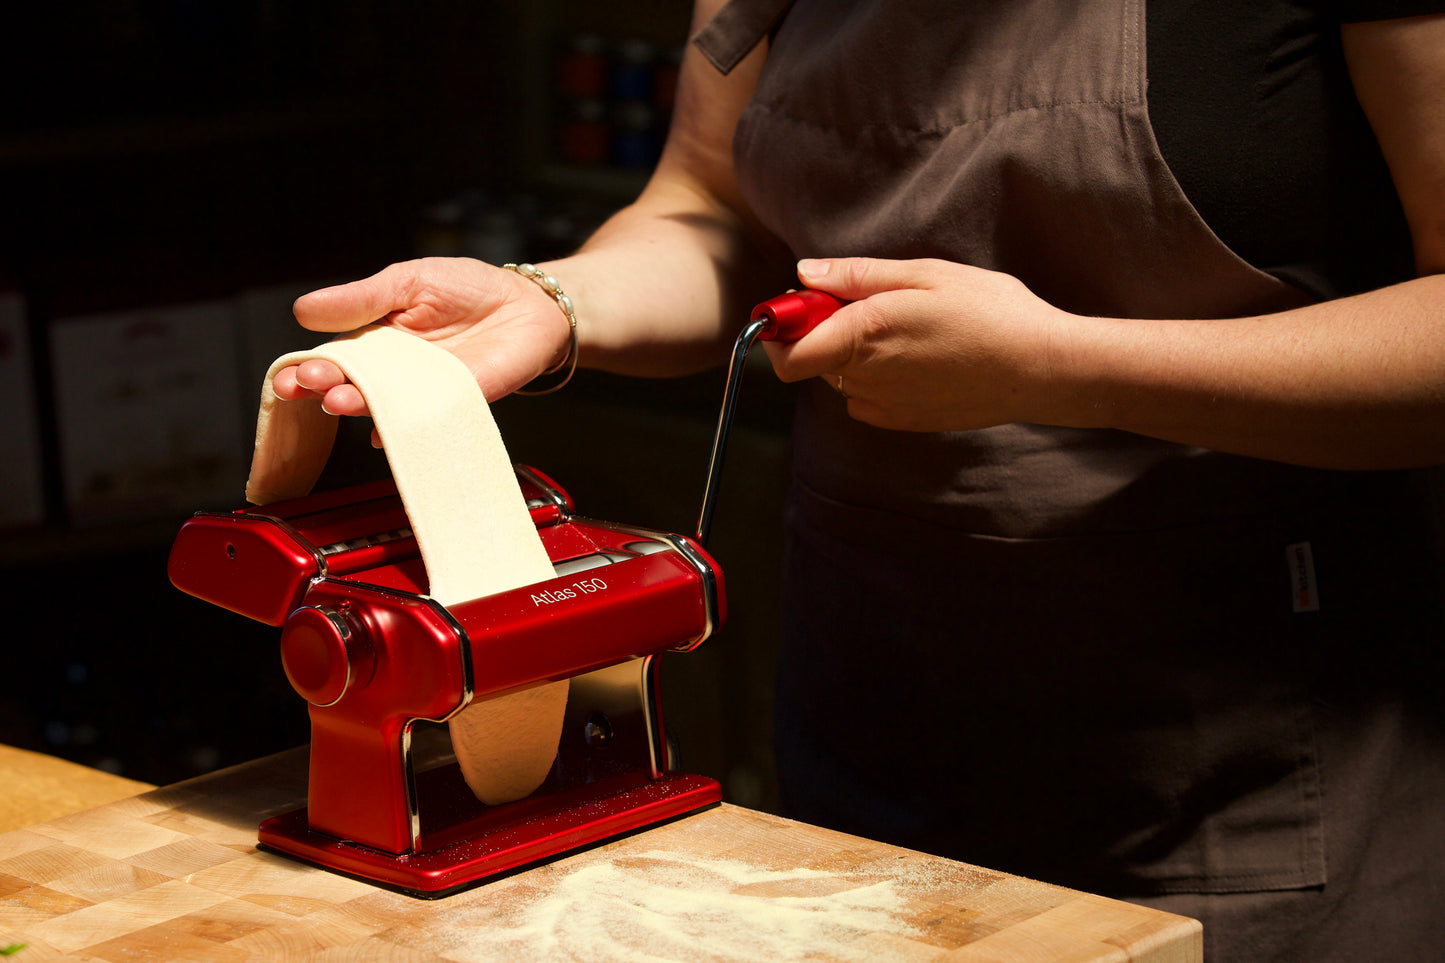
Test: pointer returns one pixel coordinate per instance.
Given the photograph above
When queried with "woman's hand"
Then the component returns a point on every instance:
(1352, 383)
(928, 345)
(504, 327)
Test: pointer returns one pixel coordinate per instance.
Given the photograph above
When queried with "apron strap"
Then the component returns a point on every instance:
(736, 29)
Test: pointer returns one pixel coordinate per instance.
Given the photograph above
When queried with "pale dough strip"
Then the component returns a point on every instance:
(465, 507)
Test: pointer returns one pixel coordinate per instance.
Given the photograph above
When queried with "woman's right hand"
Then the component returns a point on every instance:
(504, 327)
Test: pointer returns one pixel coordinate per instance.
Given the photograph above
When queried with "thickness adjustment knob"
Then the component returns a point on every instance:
(323, 654)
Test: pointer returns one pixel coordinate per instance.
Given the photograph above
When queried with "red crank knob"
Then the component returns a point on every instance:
(323, 654)
(789, 316)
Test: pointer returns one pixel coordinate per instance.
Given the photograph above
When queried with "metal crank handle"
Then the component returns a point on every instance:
(786, 317)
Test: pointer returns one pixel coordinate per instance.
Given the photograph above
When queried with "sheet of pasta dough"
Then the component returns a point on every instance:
(465, 507)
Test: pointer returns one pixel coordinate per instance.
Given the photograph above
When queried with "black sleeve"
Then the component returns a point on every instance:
(1359, 11)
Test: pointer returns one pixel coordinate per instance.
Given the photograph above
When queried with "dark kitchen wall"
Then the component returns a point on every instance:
(154, 151)
(172, 175)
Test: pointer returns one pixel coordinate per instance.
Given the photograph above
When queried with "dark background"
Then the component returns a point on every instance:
(154, 154)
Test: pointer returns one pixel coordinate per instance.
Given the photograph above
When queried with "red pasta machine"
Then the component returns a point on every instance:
(341, 575)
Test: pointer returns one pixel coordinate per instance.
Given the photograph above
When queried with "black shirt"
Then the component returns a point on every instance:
(1254, 111)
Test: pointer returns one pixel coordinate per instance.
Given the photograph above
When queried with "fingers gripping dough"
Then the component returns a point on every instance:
(464, 504)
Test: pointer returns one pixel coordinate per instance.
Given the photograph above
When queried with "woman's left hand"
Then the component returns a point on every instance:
(929, 345)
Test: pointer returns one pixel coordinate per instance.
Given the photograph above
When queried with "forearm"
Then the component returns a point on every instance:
(664, 286)
(1353, 383)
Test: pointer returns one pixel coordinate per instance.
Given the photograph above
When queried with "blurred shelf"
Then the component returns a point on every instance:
(161, 133)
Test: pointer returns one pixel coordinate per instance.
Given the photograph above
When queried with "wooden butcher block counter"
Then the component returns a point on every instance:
(174, 874)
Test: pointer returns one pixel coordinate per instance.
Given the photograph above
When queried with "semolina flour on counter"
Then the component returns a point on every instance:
(661, 905)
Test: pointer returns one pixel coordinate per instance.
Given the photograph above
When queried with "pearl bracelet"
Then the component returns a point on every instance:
(550, 285)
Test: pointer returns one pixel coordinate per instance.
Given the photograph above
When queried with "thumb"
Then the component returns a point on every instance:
(856, 278)
(345, 307)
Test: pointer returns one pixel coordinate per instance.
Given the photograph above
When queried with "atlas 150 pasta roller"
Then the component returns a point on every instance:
(341, 574)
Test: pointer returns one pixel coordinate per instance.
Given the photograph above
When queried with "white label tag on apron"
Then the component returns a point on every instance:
(1306, 596)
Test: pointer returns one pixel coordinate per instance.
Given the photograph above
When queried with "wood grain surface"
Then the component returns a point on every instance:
(174, 874)
(35, 787)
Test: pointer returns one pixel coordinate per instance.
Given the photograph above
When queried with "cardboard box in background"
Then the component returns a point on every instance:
(146, 412)
(22, 491)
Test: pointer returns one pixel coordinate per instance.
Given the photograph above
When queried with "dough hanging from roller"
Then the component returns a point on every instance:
(465, 507)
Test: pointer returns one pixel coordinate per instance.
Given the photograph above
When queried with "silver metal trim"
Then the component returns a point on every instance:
(554, 497)
(413, 805)
(656, 742)
(469, 683)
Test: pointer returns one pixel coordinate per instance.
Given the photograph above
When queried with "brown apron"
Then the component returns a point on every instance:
(1076, 655)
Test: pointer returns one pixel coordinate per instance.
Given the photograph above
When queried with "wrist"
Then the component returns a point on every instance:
(1083, 371)
(549, 284)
